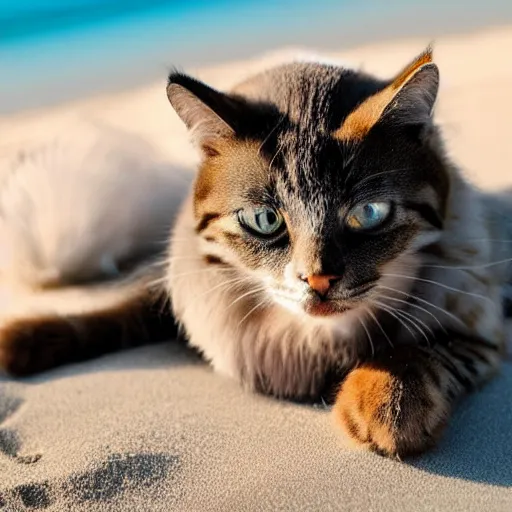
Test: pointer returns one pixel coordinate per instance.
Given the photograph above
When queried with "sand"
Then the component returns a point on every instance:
(155, 429)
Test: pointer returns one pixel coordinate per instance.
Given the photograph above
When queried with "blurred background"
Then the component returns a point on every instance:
(57, 50)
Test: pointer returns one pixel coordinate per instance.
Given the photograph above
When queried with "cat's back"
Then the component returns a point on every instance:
(83, 205)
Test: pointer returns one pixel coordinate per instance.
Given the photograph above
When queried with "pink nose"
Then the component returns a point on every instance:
(320, 282)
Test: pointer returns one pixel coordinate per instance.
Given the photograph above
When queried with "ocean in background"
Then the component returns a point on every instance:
(58, 50)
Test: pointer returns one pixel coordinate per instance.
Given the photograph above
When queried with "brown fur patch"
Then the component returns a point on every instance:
(35, 344)
(205, 220)
(223, 179)
(361, 120)
(210, 259)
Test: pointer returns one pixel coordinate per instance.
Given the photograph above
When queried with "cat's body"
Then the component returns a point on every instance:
(327, 240)
(84, 223)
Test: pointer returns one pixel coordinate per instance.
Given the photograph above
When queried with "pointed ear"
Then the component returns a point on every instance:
(207, 113)
(408, 99)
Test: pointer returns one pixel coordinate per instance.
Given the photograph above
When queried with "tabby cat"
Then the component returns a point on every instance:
(328, 249)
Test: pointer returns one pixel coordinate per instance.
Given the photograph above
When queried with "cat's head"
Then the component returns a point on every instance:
(320, 183)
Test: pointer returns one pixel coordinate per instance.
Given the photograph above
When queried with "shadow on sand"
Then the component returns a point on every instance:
(478, 443)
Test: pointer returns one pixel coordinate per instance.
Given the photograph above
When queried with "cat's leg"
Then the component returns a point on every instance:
(399, 404)
(34, 343)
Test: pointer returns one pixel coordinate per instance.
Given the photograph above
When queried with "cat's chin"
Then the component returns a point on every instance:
(325, 308)
(314, 307)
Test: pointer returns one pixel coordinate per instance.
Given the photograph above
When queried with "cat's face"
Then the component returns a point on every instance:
(315, 201)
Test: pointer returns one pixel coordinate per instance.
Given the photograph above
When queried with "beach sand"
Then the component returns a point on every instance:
(155, 429)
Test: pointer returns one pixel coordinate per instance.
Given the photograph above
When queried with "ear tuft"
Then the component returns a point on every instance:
(408, 99)
(426, 57)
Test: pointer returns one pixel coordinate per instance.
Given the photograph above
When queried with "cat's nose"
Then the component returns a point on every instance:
(319, 282)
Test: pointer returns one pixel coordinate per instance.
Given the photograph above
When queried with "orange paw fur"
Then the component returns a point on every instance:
(395, 411)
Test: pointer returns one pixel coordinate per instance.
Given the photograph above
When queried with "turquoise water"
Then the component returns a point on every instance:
(54, 50)
(30, 20)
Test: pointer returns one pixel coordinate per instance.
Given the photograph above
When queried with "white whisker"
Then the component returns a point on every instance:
(259, 304)
(389, 310)
(200, 271)
(157, 282)
(417, 323)
(417, 307)
(426, 302)
(504, 240)
(412, 320)
(232, 282)
(171, 278)
(471, 267)
(445, 286)
(283, 117)
(280, 148)
(368, 335)
(369, 311)
(160, 263)
(247, 294)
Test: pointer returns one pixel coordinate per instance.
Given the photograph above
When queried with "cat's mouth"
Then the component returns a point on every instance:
(325, 307)
(314, 305)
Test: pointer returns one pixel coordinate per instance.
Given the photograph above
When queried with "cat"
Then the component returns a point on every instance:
(328, 249)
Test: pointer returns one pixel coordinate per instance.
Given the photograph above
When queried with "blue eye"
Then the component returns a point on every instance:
(368, 216)
(263, 220)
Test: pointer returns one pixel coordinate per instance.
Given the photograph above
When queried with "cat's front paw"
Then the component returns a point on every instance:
(395, 408)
